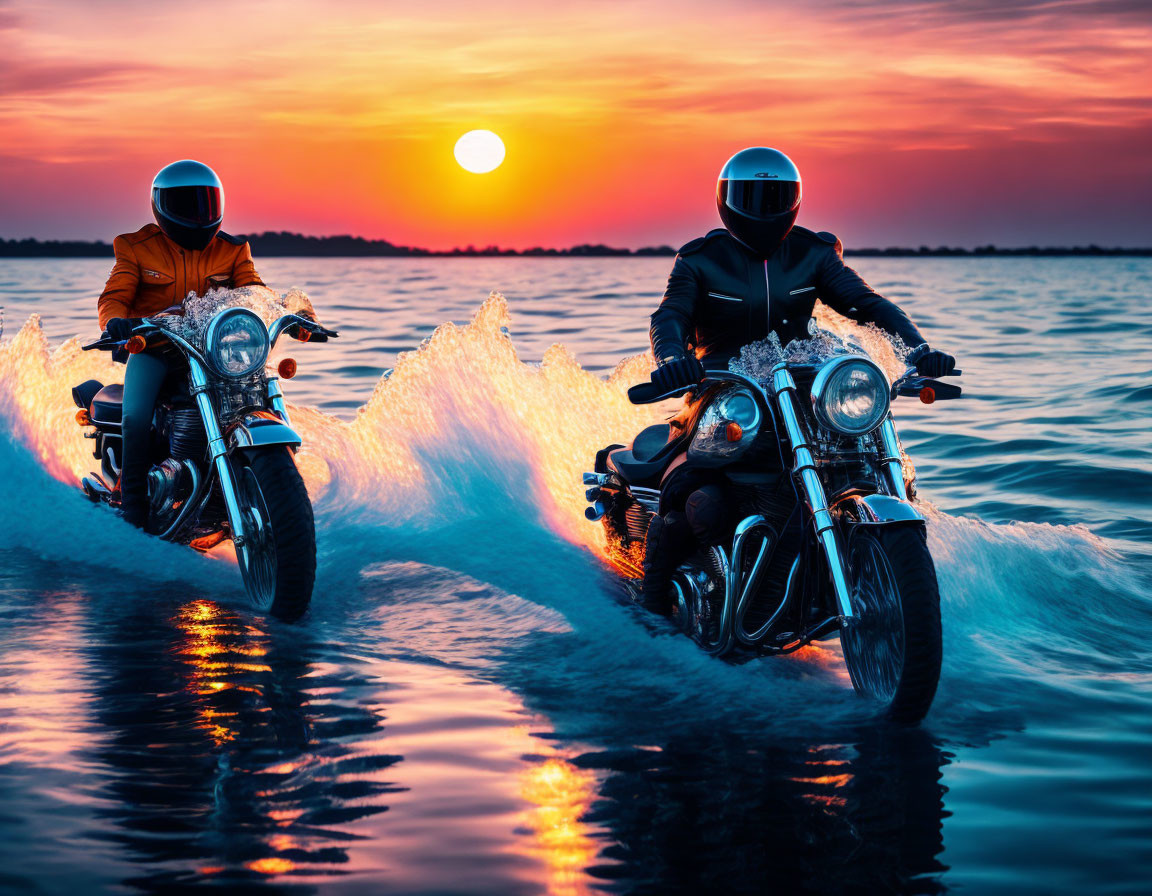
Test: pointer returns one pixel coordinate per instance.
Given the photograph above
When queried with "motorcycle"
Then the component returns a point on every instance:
(221, 450)
(829, 541)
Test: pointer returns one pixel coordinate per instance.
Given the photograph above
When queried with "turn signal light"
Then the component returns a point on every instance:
(136, 344)
(303, 335)
(83, 418)
(207, 542)
(927, 395)
(287, 368)
(734, 432)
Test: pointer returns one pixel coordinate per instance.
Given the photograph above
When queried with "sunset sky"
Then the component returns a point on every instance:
(959, 122)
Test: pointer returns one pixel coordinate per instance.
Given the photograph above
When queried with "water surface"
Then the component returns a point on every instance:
(470, 707)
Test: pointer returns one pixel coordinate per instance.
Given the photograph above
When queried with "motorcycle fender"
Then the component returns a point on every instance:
(879, 510)
(260, 429)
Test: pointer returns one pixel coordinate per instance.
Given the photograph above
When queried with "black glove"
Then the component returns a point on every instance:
(930, 362)
(120, 328)
(672, 374)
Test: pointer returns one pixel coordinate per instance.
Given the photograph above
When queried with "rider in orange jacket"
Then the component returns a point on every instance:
(157, 267)
(154, 272)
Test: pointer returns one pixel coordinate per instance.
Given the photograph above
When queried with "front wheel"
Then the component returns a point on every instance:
(893, 648)
(278, 557)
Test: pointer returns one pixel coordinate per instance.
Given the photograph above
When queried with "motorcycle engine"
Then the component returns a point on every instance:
(636, 520)
(186, 436)
(169, 485)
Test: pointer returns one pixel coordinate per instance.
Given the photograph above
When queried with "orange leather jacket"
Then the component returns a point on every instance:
(153, 273)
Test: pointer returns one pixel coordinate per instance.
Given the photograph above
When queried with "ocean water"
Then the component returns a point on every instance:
(471, 707)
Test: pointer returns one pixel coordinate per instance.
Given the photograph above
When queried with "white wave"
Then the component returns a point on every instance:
(466, 458)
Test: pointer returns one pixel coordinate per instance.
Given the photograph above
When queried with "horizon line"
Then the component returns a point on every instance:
(287, 244)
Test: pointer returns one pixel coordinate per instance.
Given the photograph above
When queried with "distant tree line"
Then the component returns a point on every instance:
(290, 244)
(30, 248)
(282, 243)
(270, 244)
(1038, 251)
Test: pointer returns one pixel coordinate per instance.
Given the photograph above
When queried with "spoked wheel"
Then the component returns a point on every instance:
(278, 558)
(893, 650)
(257, 556)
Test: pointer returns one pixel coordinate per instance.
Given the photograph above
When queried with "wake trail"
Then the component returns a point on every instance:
(466, 461)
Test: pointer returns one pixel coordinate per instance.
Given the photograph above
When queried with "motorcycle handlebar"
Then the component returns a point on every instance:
(926, 388)
(106, 344)
(103, 344)
(649, 392)
(316, 332)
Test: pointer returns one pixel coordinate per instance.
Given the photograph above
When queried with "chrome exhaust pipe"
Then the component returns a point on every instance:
(747, 587)
(596, 511)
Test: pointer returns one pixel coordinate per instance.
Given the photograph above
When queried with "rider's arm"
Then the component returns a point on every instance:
(244, 270)
(845, 291)
(120, 290)
(672, 321)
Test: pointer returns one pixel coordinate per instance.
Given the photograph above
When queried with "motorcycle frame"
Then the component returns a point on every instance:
(830, 525)
(253, 430)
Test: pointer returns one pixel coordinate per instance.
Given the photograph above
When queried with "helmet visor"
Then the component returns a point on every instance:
(762, 198)
(192, 206)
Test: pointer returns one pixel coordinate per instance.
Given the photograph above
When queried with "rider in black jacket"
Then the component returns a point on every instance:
(759, 274)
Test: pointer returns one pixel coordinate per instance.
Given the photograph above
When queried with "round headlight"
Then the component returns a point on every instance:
(236, 342)
(850, 395)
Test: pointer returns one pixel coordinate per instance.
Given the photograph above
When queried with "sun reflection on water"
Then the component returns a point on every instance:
(826, 776)
(217, 648)
(271, 865)
(561, 793)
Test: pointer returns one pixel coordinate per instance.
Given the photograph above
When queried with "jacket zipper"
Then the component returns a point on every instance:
(767, 300)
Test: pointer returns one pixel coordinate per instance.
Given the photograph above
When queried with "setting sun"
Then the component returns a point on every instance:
(479, 151)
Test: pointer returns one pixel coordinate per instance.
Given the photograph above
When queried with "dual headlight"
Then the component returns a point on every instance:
(236, 342)
(850, 395)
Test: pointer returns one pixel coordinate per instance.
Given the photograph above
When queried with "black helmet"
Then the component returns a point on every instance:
(188, 202)
(758, 195)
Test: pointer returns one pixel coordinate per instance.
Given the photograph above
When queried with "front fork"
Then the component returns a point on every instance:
(804, 468)
(217, 449)
(276, 399)
(891, 460)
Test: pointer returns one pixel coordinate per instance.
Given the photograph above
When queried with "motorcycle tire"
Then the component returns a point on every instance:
(896, 594)
(293, 530)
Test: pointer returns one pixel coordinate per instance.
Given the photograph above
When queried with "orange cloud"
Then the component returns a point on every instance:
(340, 116)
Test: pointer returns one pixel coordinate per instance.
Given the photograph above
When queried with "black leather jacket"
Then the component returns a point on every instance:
(721, 296)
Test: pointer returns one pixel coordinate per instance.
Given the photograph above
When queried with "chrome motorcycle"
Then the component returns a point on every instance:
(829, 541)
(222, 449)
